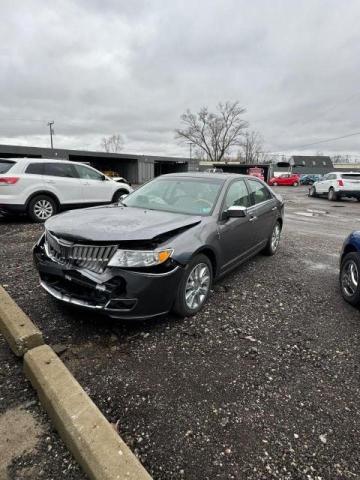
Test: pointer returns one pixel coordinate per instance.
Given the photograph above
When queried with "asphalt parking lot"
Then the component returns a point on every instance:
(263, 383)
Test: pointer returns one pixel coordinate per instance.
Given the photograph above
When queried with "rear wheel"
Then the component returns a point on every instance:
(350, 278)
(194, 288)
(332, 196)
(273, 242)
(41, 208)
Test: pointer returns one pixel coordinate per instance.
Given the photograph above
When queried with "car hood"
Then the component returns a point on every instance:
(117, 223)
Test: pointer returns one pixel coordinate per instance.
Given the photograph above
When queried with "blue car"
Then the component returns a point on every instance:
(350, 269)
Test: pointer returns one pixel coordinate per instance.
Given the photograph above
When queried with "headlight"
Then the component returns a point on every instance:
(138, 258)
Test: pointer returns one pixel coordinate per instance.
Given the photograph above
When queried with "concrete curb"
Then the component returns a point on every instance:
(86, 432)
(19, 331)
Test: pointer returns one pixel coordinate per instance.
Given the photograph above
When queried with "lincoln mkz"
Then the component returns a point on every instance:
(160, 248)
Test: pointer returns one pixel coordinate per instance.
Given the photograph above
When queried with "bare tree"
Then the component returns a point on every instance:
(112, 144)
(214, 133)
(252, 148)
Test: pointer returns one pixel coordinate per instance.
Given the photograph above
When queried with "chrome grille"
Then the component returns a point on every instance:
(91, 257)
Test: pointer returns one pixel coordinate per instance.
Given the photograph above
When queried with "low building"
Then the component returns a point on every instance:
(135, 168)
(311, 164)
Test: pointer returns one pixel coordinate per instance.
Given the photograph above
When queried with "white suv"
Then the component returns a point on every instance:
(336, 185)
(43, 187)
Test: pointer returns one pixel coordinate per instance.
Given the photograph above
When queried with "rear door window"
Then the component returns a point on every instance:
(35, 168)
(258, 192)
(5, 165)
(60, 170)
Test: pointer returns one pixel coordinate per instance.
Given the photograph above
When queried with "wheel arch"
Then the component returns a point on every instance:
(43, 192)
(349, 248)
(209, 252)
(121, 191)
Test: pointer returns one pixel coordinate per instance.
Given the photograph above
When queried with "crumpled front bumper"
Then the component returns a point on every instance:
(118, 293)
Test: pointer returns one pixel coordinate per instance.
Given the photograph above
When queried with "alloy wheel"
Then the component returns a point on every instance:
(350, 278)
(197, 286)
(43, 209)
(275, 238)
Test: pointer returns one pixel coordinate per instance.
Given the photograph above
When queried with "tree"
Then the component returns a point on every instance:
(112, 144)
(252, 148)
(214, 133)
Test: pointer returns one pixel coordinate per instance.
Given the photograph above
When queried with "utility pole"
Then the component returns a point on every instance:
(190, 146)
(50, 125)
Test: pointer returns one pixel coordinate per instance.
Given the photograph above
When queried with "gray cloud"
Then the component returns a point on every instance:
(102, 67)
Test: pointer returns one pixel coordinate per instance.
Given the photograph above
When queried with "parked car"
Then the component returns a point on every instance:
(289, 179)
(309, 179)
(43, 187)
(161, 248)
(350, 269)
(337, 185)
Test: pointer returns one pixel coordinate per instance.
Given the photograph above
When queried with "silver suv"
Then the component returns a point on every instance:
(43, 187)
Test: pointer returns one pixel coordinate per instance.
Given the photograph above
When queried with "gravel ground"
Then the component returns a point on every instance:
(263, 383)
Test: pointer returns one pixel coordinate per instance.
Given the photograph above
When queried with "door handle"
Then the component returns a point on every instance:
(252, 219)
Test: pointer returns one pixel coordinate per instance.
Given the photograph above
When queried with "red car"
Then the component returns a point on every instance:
(291, 179)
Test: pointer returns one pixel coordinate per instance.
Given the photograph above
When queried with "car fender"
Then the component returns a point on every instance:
(199, 238)
(43, 192)
(116, 186)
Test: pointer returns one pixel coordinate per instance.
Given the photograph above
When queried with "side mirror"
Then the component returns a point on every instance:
(103, 178)
(236, 211)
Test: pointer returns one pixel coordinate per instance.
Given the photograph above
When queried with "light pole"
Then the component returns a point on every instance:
(50, 125)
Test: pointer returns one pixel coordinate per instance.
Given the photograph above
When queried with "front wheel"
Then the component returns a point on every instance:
(194, 288)
(273, 242)
(349, 278)
(118, 195)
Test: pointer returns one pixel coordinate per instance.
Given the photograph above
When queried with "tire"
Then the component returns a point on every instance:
(118, 194)
(312, 192)
(41, 208)
(332, 196)
(350, 278)
(274, 240)
(181, 306)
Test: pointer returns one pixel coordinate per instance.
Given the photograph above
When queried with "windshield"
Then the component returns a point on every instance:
(5, 165)
(195, 196)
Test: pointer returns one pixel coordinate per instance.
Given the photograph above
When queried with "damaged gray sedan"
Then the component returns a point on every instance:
(160, 248)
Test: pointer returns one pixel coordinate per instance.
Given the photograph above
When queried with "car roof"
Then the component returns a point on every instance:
(19, 159)
(219, 175)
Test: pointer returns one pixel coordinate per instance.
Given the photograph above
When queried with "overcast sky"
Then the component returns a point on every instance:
(99, 67)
